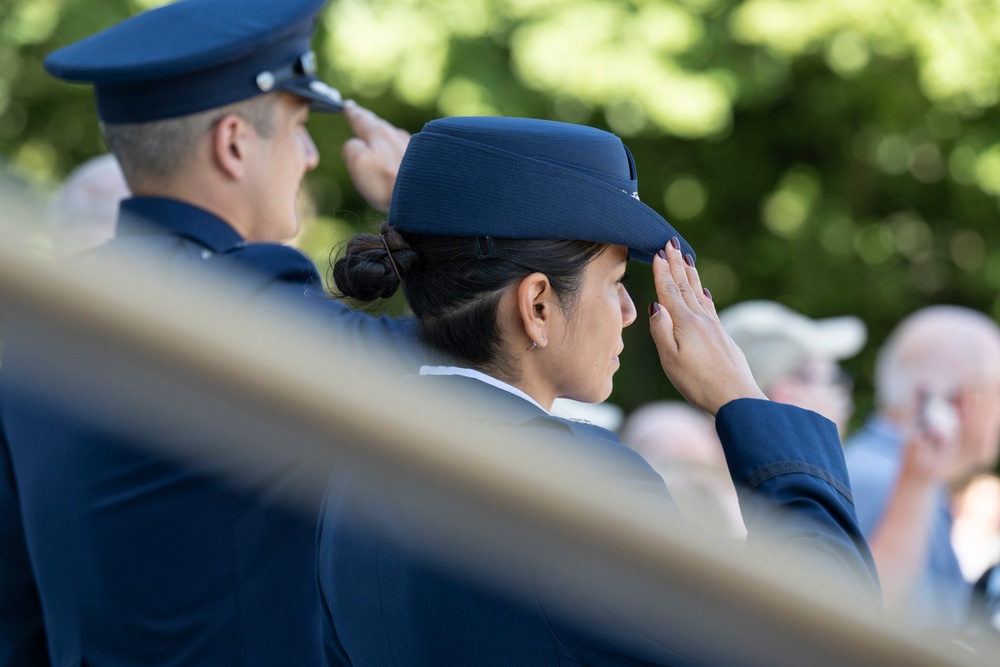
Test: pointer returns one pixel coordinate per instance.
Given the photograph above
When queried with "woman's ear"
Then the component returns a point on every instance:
(536, 307)
(230, 142)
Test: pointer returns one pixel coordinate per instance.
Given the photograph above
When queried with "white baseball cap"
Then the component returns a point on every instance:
(777, 340)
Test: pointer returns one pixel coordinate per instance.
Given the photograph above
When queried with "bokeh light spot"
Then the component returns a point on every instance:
(464, 97)
(720, 280)
(962, 164)
(912, 236)
(893, 154)
(837, 236)
(626, 118)
(967, 250)
(786, 210)
(988, 170)
(685, 198)
(848, 53)
(927, 166)
(874, 243)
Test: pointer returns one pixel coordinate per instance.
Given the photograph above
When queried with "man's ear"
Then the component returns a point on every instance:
(535, 304)
(230, 142)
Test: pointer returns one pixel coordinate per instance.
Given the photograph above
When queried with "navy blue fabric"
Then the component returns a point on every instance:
(191, 56)
(522, 178)
(388, 601)
(794, 490)
(140, 559)
(874, 458)
(22, 640)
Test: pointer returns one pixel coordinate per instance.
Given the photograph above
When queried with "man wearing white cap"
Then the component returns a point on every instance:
(794, 358)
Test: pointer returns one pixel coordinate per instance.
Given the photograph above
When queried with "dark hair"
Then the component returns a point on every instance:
(454, 283)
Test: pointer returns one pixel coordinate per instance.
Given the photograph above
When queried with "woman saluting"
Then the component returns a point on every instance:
(510, 239)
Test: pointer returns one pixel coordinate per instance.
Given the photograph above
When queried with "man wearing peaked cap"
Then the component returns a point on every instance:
(134, 558)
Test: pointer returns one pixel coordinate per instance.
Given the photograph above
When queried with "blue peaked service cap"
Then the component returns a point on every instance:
(195, 55)
(520, 178)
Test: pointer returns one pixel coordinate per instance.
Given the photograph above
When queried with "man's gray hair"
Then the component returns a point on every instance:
(936, 349)
(157, 149)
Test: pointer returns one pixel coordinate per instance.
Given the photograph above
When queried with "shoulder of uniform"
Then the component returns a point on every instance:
(279, 262)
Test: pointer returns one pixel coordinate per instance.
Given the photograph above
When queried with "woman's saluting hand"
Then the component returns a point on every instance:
(696, 353)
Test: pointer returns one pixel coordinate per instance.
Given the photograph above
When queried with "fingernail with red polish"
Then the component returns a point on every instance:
(689, 260)
(662, 255)
(676, 243)
(707, 293)
(654, 308)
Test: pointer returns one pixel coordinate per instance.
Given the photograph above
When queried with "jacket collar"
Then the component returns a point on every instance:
(157, 215)
(492, 404)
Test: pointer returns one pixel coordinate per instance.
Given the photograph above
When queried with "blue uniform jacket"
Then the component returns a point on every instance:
(387, 602)
(138, 559)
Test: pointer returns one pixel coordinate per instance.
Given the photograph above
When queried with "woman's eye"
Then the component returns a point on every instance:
(624, 279)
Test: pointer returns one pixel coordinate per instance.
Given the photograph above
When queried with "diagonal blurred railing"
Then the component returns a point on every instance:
(248, 381)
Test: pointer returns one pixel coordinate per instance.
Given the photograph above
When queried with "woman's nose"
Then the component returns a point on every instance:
(311, 152)
(628, 308)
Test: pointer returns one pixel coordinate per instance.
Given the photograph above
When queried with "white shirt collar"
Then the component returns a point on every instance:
(482, 377)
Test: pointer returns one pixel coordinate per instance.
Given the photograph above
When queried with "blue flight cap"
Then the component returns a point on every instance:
(521, 178)
(196, 55)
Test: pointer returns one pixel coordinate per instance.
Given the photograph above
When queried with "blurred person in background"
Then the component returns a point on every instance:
(976, 538)
(936, 424)
(135, 557)
(681, 444)
(795, 359)
(84, 211)
(975, 533)
(984, 614)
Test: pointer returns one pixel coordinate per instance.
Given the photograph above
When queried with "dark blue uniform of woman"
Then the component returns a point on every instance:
(510, 238)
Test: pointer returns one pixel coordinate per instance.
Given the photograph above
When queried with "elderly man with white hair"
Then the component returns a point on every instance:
(937, 423)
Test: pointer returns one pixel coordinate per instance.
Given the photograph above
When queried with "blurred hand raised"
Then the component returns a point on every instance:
(932, 442)
(696, 353)
(373, 155)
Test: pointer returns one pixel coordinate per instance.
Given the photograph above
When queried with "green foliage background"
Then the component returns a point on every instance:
(841, 156)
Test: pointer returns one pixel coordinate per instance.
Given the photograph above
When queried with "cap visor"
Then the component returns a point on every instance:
(321, 96)
(838, 337)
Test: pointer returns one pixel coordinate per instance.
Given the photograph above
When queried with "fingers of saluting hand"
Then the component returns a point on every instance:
(675, 293)
(678, 285)
(375, 133)
(374, 154)
(696, 353)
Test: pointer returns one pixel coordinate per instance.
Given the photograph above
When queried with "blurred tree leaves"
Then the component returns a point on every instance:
(841, 156)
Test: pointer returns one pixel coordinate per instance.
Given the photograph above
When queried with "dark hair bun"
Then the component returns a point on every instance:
(372, 266)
